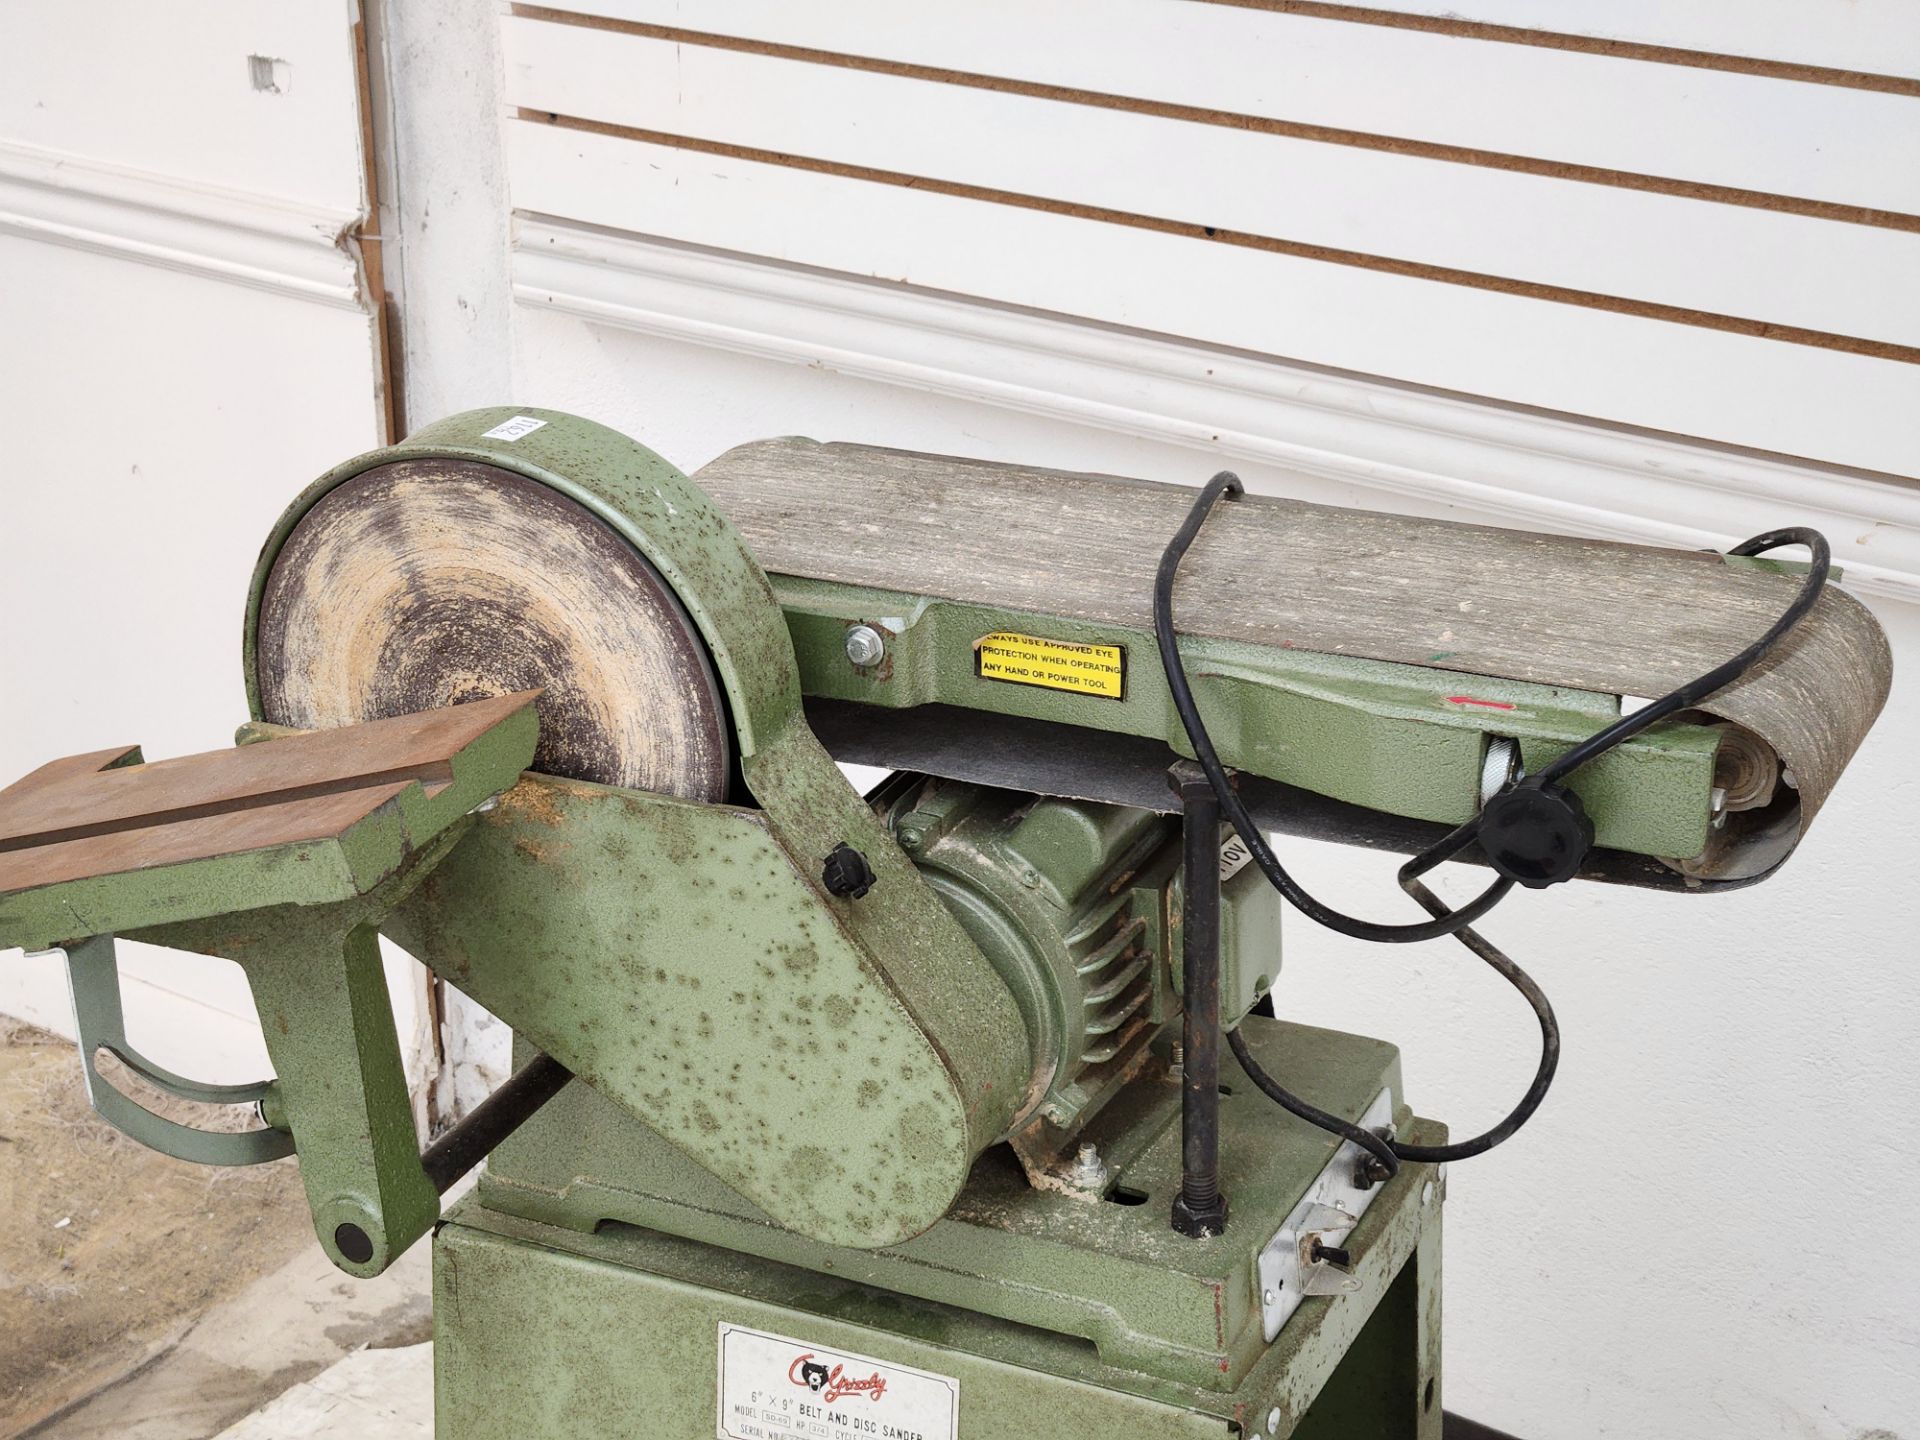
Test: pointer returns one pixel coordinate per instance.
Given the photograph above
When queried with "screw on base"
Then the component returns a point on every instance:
(1089, 1171)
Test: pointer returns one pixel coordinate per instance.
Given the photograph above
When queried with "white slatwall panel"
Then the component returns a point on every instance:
(1795, 270)
(1875, 36)
(1681, 378)
(1821, 142)
(1790, 326)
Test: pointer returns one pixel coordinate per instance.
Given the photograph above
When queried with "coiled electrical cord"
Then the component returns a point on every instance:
(1445, 921)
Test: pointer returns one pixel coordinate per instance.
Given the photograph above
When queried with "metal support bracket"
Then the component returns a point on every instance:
(93, 978)
(1290, 1265)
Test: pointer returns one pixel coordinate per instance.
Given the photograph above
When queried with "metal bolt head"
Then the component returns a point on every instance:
(866, 646)
(1089, 1170)
(1273, 1419)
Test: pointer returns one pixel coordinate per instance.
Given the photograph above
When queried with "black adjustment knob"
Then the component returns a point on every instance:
(1332, 1255)
(1370, 1171)
(1536, 834)
(846, 872)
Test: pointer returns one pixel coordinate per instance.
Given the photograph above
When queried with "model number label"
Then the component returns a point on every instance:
(1052, 664)
(513, 429)
(773, 1388)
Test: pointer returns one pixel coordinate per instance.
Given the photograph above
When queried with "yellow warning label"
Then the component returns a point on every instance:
(1053, 664)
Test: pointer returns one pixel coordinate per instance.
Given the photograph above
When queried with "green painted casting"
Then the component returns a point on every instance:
(1397, 738)
(682, 962)
(1069, 900)
(302, 921)
(315, 872)
(916, 948)
(100, 1024)
(1250, 940)
(1113, 1273)
(545, 1331)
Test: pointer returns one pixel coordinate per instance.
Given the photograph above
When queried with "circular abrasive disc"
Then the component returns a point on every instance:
(426, 583)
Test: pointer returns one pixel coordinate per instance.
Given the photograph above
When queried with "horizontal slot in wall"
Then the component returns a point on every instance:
(1726, 128)
(1867, 43)
(1796, 271)
(1734, 388)
(1524, 468)
(1675, 297)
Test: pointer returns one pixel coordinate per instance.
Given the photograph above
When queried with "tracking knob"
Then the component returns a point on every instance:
(1536, 834)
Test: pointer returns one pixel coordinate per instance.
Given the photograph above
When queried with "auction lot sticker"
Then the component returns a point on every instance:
(773, 1388)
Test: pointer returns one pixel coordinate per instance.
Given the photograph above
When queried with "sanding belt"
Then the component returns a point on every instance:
(1589, 615)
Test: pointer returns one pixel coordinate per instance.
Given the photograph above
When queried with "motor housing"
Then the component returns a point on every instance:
(1077, 905)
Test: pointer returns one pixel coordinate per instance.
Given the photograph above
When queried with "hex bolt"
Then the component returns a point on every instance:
(1089, 1170)
(866, 646)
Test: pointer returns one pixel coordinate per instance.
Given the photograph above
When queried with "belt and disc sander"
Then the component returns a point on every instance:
(432, 582)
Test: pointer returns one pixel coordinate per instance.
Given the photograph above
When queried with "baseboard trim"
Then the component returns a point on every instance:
(179, 224)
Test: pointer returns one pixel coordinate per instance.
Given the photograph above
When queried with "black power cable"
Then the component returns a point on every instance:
(1226, 483)
(1445, 921)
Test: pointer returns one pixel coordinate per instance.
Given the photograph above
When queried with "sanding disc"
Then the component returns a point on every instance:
(431, 582)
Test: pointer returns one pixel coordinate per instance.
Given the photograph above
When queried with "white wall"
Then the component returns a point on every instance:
(185, 342)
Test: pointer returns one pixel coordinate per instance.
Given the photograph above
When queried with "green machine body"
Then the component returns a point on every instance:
(900, 1069)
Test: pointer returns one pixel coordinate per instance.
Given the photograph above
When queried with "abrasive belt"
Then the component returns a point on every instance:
(1583, 614)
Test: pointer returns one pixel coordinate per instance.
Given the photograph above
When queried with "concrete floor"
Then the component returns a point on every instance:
(145, 1299)
(370, 1395)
